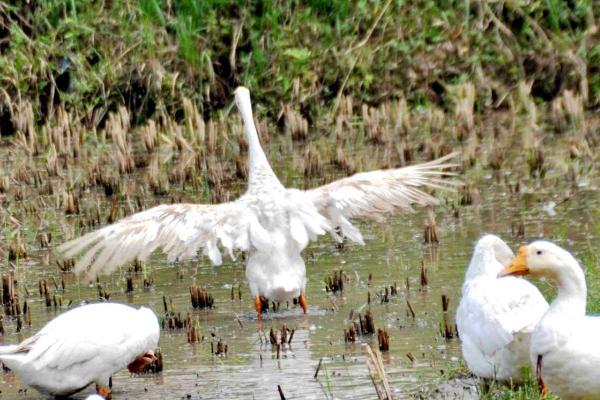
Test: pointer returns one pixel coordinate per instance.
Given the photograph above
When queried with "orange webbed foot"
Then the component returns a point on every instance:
(261, 304)
(303, 303)
(104, 391)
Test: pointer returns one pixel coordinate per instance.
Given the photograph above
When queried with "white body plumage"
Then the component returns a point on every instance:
(84, 345)
(496, 316)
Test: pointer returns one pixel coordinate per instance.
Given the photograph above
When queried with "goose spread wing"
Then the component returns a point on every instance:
(180, 230)
(371, 194)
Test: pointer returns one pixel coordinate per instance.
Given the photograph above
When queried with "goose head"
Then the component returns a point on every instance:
(241, 94)
(541, 259)
(137, 366)
(497, 246)
(489, 256)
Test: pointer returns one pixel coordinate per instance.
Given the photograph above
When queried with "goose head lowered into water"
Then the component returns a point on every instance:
(85, 345)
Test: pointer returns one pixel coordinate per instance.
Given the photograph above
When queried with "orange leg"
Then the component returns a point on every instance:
(541, 384)
(303, 303)
(544, 393)
(104, 391)
(258, 306)
(262, 305)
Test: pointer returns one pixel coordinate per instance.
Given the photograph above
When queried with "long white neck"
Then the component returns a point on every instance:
(259, 170)
(572, 290)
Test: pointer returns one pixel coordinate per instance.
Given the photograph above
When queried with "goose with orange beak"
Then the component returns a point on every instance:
(565, 345)
(495, 317)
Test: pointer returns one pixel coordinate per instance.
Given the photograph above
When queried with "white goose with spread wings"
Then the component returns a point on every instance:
(271, 223)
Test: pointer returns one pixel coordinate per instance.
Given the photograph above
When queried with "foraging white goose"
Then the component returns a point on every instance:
(85, 345)
(496, 316)
(269, 222)
(565, 346)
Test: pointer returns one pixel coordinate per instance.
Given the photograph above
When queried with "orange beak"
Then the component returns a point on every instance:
(518, 265)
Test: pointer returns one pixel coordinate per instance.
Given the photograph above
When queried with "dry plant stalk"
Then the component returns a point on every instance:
(383, 339)
(200, 297)
(464, 106)
(430, 233)
(193, 330)
(447, 329)
(377, 373)
(424, 279)
(335, 283)
(296, 126)
(149, 136)
(372, 121)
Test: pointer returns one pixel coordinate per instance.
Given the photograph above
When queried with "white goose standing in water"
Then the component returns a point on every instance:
(271, 223)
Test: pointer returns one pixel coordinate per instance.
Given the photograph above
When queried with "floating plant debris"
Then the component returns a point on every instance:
(318, 368)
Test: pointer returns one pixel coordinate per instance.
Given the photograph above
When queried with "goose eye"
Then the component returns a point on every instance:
(539, 252)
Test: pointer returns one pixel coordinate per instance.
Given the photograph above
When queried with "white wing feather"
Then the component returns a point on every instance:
(180, 230)
(371, 194)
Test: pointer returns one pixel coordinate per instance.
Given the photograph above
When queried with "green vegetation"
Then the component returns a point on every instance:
(92, 56)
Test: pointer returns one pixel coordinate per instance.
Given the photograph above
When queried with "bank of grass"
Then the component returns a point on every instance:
(91, 56)
(527, 391)
(458, 382)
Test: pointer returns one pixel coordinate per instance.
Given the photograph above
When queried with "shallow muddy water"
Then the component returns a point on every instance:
(392, 255)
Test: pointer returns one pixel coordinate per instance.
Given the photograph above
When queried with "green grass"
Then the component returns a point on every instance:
(163, 51)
